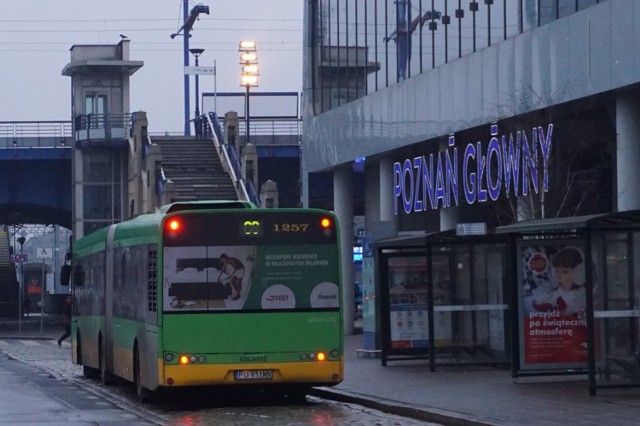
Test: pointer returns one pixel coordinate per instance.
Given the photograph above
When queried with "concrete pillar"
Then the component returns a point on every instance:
(269, 195)
(628, 150)
(78, 197)
(343, 208)
(154, 160)
(232, 130)
(170, 194)
(386, 189)
(137, 165)
(249, 160)
(372, 205)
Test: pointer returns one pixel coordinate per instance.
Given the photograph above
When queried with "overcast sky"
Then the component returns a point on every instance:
(36, 35)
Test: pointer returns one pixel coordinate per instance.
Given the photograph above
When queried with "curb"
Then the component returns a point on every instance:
(398, 408)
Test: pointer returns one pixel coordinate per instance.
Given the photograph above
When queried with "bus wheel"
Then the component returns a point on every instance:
(105, 377)
(144, 395)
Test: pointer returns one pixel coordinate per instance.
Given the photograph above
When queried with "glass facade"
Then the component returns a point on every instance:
(366, 45)
(102, 194)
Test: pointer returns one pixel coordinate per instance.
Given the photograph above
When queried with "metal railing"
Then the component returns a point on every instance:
(272, 127)
(102, 128)
(30, 134)
(101, 121)
(211, 129)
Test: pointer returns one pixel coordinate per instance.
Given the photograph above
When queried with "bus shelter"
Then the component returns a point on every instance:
(443, 297)
(577, 304)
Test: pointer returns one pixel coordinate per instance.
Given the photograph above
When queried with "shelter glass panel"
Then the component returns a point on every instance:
(469, 303)
(617, 308)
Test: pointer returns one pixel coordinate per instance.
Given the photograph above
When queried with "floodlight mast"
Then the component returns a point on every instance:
(189, 19)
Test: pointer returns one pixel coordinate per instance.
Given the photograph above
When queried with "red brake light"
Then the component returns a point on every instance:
(325, 222)
(174, 225)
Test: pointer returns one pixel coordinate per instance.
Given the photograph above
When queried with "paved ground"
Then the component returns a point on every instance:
(470, 395)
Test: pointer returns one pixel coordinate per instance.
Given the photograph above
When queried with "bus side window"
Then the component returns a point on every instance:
(78, 278)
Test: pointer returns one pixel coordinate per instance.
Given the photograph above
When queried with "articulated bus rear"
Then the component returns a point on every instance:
(251, 297)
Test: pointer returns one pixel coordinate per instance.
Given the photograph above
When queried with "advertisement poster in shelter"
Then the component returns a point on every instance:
(408, 302)
(553, 322)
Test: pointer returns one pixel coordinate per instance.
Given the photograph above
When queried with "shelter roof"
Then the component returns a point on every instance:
(607, 221)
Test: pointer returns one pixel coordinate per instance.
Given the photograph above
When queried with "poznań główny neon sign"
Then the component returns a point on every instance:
(429, 183)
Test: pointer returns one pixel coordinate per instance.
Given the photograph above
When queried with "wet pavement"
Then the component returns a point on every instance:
(451, 395)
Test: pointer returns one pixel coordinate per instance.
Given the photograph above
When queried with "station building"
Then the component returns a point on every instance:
(461, 120)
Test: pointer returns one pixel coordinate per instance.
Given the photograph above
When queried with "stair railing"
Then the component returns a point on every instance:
(215, 133)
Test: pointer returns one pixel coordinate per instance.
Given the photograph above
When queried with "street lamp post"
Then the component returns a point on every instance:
(250, 72)
(189, 19)
(21, 240)
(196, 54)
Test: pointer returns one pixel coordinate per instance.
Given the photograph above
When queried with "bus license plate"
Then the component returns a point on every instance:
(253, 374)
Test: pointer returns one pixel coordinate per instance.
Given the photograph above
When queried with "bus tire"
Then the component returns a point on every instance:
(144, 395)
(105, 376)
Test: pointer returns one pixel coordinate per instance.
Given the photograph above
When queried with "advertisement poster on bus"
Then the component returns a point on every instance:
(552, 293)
(251, 278)
(408, 304)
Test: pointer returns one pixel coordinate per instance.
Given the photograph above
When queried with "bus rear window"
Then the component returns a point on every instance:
(250, 262)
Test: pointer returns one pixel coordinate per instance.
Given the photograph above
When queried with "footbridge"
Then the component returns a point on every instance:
(35, 171)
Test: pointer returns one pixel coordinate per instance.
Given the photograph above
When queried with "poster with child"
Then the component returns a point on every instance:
(553, 296)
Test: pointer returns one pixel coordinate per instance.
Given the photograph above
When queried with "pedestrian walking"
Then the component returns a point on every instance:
(66, 320)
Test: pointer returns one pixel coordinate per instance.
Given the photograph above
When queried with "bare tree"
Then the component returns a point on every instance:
(581, 159)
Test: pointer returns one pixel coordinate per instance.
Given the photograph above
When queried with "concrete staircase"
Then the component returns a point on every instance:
(195, 169)
(8, 280)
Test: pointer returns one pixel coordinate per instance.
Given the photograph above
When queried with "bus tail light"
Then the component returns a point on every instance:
(186, 359)
(173, 225)
(319, 356)
(325, 222)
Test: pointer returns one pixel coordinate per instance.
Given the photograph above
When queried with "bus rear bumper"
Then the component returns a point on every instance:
(326, 373)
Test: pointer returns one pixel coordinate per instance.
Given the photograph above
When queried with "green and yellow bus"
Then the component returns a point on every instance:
(211, 293)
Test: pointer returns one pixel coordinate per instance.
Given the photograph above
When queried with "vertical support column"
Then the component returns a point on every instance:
(343, 207)
(380, 222)
(78, 204)
(628, 150)
(372, 207)
(386, 190)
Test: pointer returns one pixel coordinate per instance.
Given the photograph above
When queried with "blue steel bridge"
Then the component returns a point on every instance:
(35, 172)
